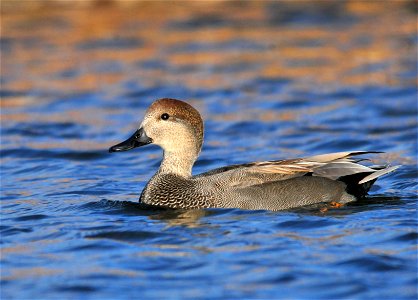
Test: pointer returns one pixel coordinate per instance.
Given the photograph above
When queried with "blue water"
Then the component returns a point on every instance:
(272, 80)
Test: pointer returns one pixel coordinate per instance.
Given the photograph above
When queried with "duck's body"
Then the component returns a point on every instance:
(214, 191)
(273, 185)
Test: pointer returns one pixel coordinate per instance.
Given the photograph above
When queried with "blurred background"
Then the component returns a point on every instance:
(84, 62)
(272, 79)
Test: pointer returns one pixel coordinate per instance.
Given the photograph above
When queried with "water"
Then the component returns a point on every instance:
(272, 80)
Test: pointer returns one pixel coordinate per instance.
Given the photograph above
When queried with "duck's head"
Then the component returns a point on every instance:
(172, 124)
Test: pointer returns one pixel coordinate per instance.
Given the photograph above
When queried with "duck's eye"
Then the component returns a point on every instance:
(165, 116)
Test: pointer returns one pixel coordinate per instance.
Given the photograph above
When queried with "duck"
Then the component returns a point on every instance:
(177, 127)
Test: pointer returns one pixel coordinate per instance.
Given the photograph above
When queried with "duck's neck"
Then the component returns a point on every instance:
(178, 163)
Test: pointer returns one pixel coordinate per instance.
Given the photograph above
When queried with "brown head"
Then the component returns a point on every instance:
(175, 126)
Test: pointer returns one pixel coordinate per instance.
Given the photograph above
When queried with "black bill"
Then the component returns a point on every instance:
(138, 139)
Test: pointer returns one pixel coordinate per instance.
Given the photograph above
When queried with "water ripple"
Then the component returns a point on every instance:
(273, 80)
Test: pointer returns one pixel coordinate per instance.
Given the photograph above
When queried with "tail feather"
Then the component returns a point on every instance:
(377, 174)
(360, 183)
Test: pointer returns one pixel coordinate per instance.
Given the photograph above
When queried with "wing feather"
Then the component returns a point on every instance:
(331, 165)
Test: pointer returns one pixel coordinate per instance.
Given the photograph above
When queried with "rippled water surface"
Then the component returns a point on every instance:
(272, 79)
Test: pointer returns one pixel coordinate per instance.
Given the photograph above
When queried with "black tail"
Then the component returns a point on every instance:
(359, 190)
(359, 184)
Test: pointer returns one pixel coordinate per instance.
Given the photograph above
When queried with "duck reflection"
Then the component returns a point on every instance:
(181, 217)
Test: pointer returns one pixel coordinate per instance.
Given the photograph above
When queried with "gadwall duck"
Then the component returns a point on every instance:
(269, 185)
